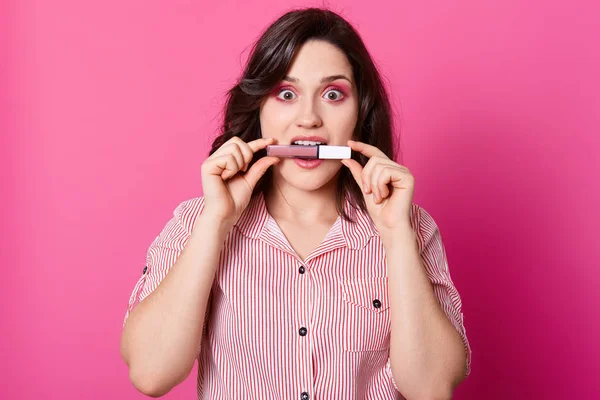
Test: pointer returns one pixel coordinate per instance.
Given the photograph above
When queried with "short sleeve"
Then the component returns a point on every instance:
(164, 250)
(433, 255)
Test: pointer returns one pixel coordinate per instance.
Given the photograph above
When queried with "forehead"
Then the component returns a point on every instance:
(316, 59)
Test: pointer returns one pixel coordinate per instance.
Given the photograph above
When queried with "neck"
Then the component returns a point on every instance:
(289, 203)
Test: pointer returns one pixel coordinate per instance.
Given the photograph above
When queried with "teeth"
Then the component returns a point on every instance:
(306, 143)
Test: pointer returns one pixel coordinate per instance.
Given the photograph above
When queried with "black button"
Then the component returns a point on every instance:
(304, 396)
(376, 303)
(145, 269)
(303, 331)
(301, 270)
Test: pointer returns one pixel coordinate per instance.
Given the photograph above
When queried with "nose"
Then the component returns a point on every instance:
(309, 116)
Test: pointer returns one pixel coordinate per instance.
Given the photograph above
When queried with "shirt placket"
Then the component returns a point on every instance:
(305, 323)
(304, 318)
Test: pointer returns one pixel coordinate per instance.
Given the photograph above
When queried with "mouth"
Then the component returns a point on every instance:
(307, 143)
(305, 140)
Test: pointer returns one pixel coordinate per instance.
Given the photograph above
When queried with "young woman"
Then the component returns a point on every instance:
(297, 279)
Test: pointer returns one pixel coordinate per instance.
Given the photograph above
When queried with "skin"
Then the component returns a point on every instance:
(426, 352)
(301, 200)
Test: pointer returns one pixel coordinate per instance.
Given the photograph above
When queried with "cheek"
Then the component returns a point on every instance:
(342, 119)
(273, 115)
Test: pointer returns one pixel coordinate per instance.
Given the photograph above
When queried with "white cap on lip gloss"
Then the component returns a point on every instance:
(334, 152)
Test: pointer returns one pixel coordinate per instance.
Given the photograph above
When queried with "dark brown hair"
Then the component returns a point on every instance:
(268, 63)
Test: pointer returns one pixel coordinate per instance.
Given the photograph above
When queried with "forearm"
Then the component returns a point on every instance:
(163, 333)
(426, 352)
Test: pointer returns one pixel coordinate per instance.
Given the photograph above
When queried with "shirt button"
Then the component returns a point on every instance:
(301, 270)
(304, 396)
(376, 303)
(145, 269)
(303, 331)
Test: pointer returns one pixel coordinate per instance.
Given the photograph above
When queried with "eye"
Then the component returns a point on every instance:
(286, 94)
(334, 95)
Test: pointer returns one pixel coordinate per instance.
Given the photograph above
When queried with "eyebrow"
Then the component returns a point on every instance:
(323, 80)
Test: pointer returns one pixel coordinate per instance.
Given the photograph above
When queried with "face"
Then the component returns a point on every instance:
(317, 98)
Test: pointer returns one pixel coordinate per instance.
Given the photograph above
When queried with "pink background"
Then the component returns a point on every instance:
(108, 109)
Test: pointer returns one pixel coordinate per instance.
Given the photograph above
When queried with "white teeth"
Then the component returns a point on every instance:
(306, 143)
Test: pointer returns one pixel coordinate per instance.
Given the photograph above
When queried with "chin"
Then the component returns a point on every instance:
(307, 186)
(314, 180)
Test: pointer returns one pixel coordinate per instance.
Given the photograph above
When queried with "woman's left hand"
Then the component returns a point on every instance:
(387, 186)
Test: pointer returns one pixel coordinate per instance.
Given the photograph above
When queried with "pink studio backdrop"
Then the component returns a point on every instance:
(108, 110)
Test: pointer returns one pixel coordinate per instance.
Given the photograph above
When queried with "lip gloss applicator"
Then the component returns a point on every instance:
(322, 152)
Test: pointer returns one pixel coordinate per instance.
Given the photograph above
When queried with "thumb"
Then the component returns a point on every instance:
(355, 169)
(258, 169)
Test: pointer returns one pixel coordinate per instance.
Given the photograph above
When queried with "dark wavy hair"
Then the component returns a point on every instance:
(268, 63)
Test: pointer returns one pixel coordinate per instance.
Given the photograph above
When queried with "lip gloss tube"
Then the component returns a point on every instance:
(322, 152)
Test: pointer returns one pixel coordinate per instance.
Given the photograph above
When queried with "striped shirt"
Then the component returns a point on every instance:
(279, 327)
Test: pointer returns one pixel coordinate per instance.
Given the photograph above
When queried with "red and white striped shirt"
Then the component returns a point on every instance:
(278, 327)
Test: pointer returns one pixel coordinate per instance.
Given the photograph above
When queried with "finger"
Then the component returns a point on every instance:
(236, 151)
(228, 166)
(366, 149)
(243, 151)
(260, 144)
(384, 184)
(225, 148)
(246, 152)
(258, 169)
(255, 145)
(218, 165)
(374, 182)
(355, 169)
(367, 175)
(384, 177)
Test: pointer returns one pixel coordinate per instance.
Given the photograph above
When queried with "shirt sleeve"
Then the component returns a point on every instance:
(164, 251)
(433, 255)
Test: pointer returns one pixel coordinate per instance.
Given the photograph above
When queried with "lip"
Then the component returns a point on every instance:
(308, 164)
(309, 138)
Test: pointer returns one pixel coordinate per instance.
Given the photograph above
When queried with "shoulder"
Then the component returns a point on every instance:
(425, 227)
(187, 211)
(420, 217)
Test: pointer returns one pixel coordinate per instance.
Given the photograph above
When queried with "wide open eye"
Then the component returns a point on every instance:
(286, 94)
(334, 95)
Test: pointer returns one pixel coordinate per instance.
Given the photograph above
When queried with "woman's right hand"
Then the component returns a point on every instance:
(226, 192)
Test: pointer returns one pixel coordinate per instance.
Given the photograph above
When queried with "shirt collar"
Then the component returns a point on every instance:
(256, 222)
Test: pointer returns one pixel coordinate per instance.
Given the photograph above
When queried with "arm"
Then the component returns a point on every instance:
(162, 334)
(427, 359)
(427, 354)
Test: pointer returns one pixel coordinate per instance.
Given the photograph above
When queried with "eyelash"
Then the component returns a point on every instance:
(283, 89)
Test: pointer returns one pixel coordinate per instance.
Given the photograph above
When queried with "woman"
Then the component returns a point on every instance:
(295, 279)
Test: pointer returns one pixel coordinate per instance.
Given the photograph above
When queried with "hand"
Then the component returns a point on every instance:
(388, 187)
(226, 192)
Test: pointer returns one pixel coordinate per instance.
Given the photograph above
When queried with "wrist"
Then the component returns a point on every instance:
(207, 222)
(397, 234)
